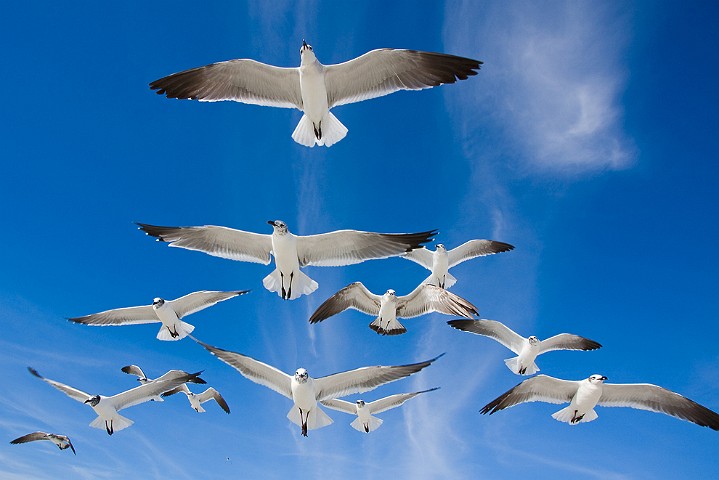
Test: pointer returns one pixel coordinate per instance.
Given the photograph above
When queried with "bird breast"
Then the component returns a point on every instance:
(303, 394)
(388, 307)
(314, 91)
(587, 395)
(284, 247)
(166, 314)
(440, 264)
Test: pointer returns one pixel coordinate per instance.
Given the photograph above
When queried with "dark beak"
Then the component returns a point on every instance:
(304, 44)
(88, 400)
(271, 222)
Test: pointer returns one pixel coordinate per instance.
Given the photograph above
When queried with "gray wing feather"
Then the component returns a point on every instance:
(429, 298)
(120, 316)
(475, 248)
(384, 71)
(134, 370)
(217, 241)
(144, 393)
(340, 406)
(567, 341)
(421, 256)
(493, 329)
(536, 389)
(243, 80)
(393, 401)
(31, 437)
(212, 394)
(197, 301)
(347, 247)
(71, 392)
(355, 296)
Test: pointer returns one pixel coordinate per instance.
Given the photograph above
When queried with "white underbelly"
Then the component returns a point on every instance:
(314, 95)
(285, 251)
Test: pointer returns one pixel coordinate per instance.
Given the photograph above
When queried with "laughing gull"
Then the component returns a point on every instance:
(584, 395)
(314, 88)
(388, 307)
(196, 400)
(441, 260)
(61, 441)
(341, 247)
(167, 312)
(305, 391)
(527, 349)
(365, 422)
(107, 407)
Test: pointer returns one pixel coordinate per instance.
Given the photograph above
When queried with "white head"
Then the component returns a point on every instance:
(390, 294)
(533, 341)
(306, 53)
(301, 375)
(93, 401)
(597, 379)
(279, 226)
(157, 302)
(360, 403)
(441, 247)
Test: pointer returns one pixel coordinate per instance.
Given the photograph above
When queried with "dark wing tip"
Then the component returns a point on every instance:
(34, 372)
(591, 344)
(195, 378)
(241, 292)
(127, 369)
(461, 324)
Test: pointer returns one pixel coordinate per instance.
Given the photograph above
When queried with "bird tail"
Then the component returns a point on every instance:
(183, 330)
(199, 409)
(513, 365)
(566, 415)
(118, 423)
(449, 280)
(304, 133)
(316, 419)
(330, 131)
(374, 424)
(289, 288)
(393, 327)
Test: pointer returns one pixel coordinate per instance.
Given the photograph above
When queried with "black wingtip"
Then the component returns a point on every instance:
(34, 372)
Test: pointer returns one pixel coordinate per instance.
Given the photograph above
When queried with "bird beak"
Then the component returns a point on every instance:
(88, 400)
(271, 222)
(304, 44)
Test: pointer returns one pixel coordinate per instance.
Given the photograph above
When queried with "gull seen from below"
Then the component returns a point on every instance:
(305, 391)
(167, 312)
(527, 349)
(341, 247)
(365, 422)
(107, 408)
(61, 441)
(388, 307)
(196, 400)
(584, 395)
(441, 260)
(314, 88)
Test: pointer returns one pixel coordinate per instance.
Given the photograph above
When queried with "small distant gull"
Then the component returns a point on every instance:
(314, 88)
(306, 391)
(365, 422)
(584, 395)
(107, 407)
(61, 441)
(167, 312)
(388, 307)
(441, 260)
(196, 400)
(527, 349)
(341, 247)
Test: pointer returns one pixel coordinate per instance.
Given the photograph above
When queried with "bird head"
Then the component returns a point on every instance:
(441, 247)
(93, 401)
(305, 47)
(390, 293)
(301, 375)
(533, 341)
(279, 226)
(306, 53)
(597, 379)
(360, 403)
(157, 302)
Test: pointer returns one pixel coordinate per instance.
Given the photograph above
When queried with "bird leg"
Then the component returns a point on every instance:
(304, 423)
(522, 370)
(575, 418)
(173, 334)
(282, 285)
(318, 130)
(366, 428)
(289, 292)
(109, 428)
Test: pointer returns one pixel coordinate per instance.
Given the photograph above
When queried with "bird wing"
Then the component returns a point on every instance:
(120, 316)
(179, 389)
(493, 329)
(364, 379)
(254, 370)
(243, 80)
(645, 396)
(148, 391)
(31, 437)
(384, 71)
(354, 295)
(393, 401)
(71, 392)
(196, 301)
(536, 389)
(429, 298)
(134, 370)
(347, 247)
(212, 394)
(567, 341)
(475, 248)
(422, 256)
(340, 405)
(217, 241)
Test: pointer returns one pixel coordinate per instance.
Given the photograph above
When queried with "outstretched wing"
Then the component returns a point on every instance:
(134, 370)
(421, 256)
(31, 437)
(429, 298)
(148, 391)
(393, 401)
(71, 392)
(120, 316)
(196, 301)
(242, 80)
(340, 405)
(212, 394)
(536, 389)
(217, 241)
(347, 247)
(384, 71)
(354, 295)
(475, 248)
(567, 341)
(493, 329)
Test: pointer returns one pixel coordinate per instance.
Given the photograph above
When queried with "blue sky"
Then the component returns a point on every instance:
(586, 140)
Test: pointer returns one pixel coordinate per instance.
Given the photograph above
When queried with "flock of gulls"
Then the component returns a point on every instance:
(314, 89)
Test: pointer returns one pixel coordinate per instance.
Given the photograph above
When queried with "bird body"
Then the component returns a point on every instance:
(63, 442)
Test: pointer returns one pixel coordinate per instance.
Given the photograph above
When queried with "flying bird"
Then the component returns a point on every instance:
(167, 312)
(61, 441)
(365, 421)
(441, 260)
(196, 400)
(527, 349)
(584, 395)
(107, 408)
(314, 88)
(341, 247)
(388, 307)
(305, 391)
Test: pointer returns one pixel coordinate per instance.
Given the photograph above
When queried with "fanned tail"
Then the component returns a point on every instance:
(304, 133)
(330, 131)
(374, 424)
(316, 419)
(289, 287)
(183, 330)
(513, 365)
(118, 423)
(393, 327)
(567, 414)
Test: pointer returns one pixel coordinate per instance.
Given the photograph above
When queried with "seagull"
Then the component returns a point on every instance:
(527, 349)
(341, 247)
(196, 400)
(365, 422)
(423, 299)
(167, 312)
(584, 395)
(305, 391)
(142, 378)
(107, 407)
(61, 441)
(314, 88)
(441, 260)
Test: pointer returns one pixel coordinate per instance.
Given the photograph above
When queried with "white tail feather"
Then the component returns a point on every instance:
(118, 423)
(449, 280)
(300, 284)
(183, 330)
(316, 419)
(304, 133)
(332, 131)
(513, 365)
(566, 414)
(392, 327)
(374, 424)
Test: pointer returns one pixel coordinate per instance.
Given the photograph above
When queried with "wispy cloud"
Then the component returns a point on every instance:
(552, 82)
